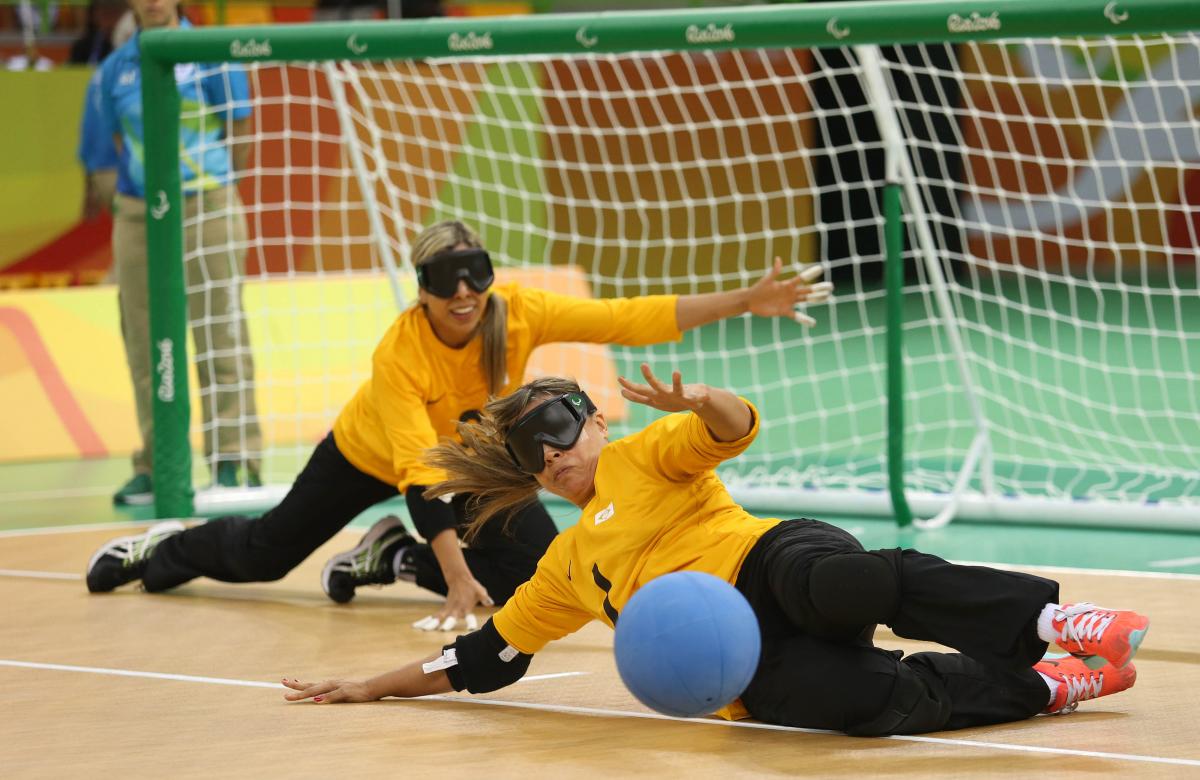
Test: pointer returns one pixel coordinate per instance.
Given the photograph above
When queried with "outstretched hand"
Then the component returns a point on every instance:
(329, 691)
(773, 297)
(676, 397)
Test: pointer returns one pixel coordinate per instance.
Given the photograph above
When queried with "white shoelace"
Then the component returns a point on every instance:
(1081, 688)
(137, 548)
(1083, 621)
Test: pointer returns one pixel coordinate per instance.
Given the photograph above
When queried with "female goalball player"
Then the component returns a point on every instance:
(466, 340)
(652, 504)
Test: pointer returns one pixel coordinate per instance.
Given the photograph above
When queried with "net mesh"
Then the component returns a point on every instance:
(1059, 178)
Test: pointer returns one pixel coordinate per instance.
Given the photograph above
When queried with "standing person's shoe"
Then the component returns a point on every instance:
(227, 474)
(138, 491)
(124, 559)
(370, 563)
(1080, 679)
(1084, 629)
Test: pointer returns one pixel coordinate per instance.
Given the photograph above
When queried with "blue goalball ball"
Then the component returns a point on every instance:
(687, 644)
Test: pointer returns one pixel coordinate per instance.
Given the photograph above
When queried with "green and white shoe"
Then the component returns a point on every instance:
(124, 559)
(138, 491)
(369, 563)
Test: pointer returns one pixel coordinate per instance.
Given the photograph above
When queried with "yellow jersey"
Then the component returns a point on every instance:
(420, 388)
(659, 507)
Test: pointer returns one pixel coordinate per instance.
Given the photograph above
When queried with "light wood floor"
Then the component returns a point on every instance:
(186, 685)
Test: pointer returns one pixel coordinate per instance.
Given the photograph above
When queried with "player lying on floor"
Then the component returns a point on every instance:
(651, 504)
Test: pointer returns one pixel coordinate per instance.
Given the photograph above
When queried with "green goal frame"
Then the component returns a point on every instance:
(778, 26)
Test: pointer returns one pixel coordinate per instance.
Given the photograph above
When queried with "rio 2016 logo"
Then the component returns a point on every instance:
(976, 22)
(250, 48)
(470, 42)
(709, 34)
(166, 370)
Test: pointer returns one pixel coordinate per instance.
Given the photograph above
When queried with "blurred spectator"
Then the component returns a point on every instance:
(211, 154)
(126, 28)
(97, 39)
(420, 9)
(30, 18)
(97, 153)
(341, 10)
(330, 10)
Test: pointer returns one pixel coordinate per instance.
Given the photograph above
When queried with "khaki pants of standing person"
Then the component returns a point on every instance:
(216, 257)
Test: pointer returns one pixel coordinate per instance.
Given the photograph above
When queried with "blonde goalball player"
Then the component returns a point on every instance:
(466, 339)
(817, 594)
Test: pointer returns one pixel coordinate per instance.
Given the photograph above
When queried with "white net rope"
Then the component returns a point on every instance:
(1059, 180)
(1063, 185)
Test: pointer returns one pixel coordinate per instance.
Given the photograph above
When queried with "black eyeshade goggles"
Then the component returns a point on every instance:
(439, 276)
(557, 422)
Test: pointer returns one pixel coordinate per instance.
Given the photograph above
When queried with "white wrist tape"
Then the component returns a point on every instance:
(449, 658)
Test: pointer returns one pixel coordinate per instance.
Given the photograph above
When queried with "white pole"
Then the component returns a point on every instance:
(366, 184)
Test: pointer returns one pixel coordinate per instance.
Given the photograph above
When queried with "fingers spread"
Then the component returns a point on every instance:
(308, 690)
(427, 623)
(803, 318)
(295, 685)
(633, 386)
(640, 398)
(819, 292)
(653, 381)
(330, 697)
(812, 272)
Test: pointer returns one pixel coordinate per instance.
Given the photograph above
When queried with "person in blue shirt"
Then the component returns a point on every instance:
(97, 153)
(216, 121)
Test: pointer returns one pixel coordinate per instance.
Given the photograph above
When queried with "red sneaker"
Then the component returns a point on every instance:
(1113, 634)
(1080, 679)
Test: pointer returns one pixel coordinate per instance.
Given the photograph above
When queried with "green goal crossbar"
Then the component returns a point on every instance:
(769, 27)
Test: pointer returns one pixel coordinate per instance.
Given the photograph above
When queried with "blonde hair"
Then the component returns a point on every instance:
(481, 465)
(443, 237)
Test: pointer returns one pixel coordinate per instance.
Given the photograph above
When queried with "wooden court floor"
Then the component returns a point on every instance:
(186, 685)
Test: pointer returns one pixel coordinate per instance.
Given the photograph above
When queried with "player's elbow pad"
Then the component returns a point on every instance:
(429, 517)
(485, 662)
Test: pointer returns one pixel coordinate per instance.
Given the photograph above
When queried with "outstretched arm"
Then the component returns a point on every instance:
(406, 682)
(727, 416)
(479, 662)
(768, 297)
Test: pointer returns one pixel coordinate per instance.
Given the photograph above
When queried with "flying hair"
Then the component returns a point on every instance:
(481, 466)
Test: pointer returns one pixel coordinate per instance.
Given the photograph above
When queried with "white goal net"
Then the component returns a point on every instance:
(1059, 193)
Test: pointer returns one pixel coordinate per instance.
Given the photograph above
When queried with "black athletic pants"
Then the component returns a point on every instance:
(820, 671)
(328, 494)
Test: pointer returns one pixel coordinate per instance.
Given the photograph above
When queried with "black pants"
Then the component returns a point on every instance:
(328, 494)
(820, 671)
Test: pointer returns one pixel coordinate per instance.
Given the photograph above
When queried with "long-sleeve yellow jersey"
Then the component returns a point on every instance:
(420, 388)
(659, 507)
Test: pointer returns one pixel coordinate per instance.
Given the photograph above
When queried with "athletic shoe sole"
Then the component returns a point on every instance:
(135, 499)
